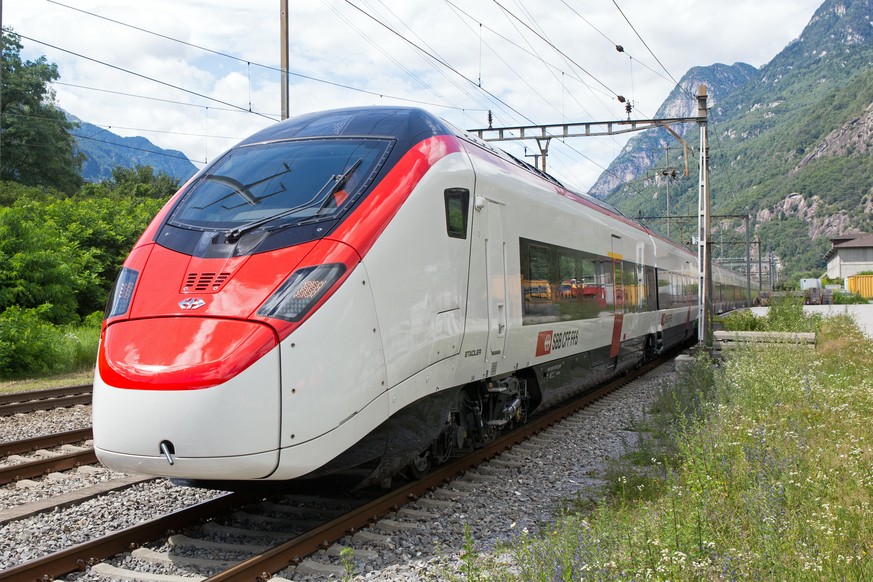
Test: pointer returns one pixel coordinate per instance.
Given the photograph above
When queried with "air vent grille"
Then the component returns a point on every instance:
(207, 281)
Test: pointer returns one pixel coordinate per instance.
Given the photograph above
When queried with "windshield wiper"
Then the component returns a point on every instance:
(338, 184)
(244, 190)
(235, 185)
(334, 183)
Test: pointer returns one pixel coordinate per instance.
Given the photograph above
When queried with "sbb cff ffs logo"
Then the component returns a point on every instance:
(544, 343)
(192, 303)
(549, 341)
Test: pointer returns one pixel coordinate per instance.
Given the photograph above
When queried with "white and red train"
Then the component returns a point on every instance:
(371, 287)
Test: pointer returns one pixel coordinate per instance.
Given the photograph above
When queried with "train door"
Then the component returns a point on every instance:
(619, 295)
(495, 271)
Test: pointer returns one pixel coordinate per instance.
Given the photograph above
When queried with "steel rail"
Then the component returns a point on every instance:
(52, 464)
(260, 568)
(18, 402)
(80, 557)
(44, 394)
(45, 442)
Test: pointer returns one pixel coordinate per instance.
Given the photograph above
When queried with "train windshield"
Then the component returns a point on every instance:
(267, 185)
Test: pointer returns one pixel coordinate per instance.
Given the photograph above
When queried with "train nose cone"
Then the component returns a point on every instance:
(188, 398)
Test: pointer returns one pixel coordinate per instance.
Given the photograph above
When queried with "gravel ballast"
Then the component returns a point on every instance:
(515, 493)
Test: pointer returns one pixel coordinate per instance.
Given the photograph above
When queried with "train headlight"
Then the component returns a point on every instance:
(301, 291)
(122, 293)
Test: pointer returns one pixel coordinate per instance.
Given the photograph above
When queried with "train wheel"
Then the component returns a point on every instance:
(421, 465)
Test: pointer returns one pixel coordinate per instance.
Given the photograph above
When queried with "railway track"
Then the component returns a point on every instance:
(277, 551)
(20, 402)
(48, 461)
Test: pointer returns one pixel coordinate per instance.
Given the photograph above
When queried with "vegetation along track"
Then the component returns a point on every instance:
(18, 402)
(327, 530)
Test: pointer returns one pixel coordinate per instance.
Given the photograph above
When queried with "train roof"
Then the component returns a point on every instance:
(407, 125)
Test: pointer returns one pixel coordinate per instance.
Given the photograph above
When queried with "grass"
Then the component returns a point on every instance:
(72, 379)
(760, 468)
(36, 355)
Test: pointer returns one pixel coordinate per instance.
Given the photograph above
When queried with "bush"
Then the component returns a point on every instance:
(31, 346)
(785, 314)
(742, 320)
(849, 299)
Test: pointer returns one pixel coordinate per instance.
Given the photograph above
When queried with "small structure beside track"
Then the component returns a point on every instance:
(730, 340)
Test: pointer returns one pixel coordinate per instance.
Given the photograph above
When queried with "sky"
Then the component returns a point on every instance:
(198, 76)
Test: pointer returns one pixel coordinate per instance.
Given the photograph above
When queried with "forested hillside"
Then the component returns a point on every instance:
(789, 144)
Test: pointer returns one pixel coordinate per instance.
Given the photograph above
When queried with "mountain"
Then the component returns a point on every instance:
(644, 151)
(105, 150)
(789, 143)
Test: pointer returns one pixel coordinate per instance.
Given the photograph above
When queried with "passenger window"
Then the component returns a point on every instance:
(457, 206)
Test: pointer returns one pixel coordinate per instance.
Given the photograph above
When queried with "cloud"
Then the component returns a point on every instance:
(546, 62)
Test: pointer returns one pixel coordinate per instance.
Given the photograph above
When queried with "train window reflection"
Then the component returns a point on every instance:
(562, 284)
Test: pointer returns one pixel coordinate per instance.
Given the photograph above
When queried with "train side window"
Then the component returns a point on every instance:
(651, 287)
(457, 210)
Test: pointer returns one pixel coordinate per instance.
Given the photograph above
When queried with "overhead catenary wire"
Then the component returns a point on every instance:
(512, 22)
(387, 54)
(260, 65)
(439, 60)
(539, 57)
(148, 78)
(490, 104)
(610, 41)
(475, 96)
(559, 51)
(542, 34)
(531, 51)
(645, 44)
(510, 41)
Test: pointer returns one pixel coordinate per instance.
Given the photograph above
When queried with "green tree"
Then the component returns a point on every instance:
(102, 231)
(142, 182)
(36, 146)
(61, 254)
(39, 265)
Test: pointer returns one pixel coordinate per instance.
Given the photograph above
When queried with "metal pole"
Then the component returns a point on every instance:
(668, 206)
(748, 264)
(283, 58)
(760, 267)
(704, 262)
(1, 85)
(543, 144)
